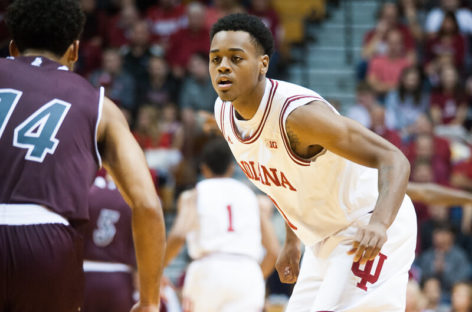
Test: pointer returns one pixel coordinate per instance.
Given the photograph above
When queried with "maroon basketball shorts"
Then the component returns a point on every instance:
(108, 291)
(40, 268)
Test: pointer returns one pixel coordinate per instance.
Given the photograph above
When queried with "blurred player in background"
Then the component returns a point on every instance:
(109, 261)
(52, 125)
(340, 187)
(225, 234)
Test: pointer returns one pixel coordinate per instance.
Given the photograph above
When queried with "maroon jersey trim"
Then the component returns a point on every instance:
(297, 159)
(257, 133)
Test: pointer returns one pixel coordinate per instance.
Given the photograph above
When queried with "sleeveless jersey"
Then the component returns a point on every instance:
(48, 122)
(228, 218)
(108, 236)
(317, 197)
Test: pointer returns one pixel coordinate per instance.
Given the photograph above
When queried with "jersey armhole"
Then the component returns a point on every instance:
(99, 117)
(289, 106)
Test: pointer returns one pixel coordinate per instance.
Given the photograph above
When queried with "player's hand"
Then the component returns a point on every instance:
(140, 307)
(288, 263)
(368, 242)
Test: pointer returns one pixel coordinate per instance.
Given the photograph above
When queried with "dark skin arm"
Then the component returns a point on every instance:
(315, 125)
(124, 160)
(435, 194)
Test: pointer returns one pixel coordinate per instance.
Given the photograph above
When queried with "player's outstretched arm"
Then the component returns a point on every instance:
(185, 222)
(124, 160)
(269, 238)
(435, 194)
(315, 125)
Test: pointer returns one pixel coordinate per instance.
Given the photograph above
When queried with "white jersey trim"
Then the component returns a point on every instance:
(29, 214)
(99, 117)
(100, 266)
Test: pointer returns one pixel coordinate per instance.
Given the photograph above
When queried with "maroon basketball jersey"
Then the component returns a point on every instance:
(48, 120)
(108, 237)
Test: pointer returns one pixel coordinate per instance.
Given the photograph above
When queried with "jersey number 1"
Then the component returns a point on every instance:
(230, 216)
(38, 132)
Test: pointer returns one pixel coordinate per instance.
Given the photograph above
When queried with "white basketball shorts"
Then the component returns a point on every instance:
(224, 283)
(329, 281)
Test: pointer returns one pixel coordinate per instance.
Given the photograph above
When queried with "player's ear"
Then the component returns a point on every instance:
(73, 51)
(13, 49)
(264, 65)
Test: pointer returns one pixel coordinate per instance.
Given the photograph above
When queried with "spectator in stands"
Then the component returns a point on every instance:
(448, 103)
(406, 103)
(189, 40)
(146, 131)
(435, 17)
(222, 8)
(90, 49)
(376, 40)
(432, 294)
(424, 147)
(461, 299)
(384, 71)
(365, 101)
(462, 175)
(447, 46)
(270, 18)
(197, 92)
(413, 16)
(162, 87)
(377, 117)
(422, 172)
(166, 18)
(119, 25)
(137, 55)
(445, 260)
(414, 298)
(119, 85)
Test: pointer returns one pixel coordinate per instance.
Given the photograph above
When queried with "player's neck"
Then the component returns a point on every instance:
(48, 55)
(247, 106)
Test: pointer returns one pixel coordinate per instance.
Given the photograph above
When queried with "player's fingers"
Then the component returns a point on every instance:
(363, 244)
(355, 245)
(369, 249)
(375, 253)
(359, 253)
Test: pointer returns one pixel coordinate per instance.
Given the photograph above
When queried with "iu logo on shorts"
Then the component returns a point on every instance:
(366, 273)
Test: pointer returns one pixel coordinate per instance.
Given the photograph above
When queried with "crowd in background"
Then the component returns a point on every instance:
(414, 89)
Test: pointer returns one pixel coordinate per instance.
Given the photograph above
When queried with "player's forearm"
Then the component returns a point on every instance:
(441, 195)
(149, 239)
(291, 238)
(173, 247)
(394, 172)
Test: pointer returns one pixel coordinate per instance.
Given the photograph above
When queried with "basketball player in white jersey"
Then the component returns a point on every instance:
(340, 187)
(225, 234)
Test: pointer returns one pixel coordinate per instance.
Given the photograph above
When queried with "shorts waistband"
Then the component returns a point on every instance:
(226, 255)
(28, 214)
(99, 266)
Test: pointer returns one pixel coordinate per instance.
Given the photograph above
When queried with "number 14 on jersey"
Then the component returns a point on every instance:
(37, 133)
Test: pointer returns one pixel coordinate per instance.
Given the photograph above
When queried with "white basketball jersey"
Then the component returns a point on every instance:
(229, 221)
(317, 197)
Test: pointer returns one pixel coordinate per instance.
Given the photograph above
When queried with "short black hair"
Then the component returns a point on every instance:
(217, 156)
(47, 25)
(250, 24)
